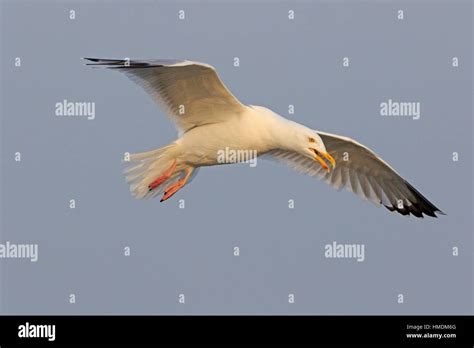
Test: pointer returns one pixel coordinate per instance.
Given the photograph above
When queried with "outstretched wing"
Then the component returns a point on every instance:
(191, 93)
(364, 173)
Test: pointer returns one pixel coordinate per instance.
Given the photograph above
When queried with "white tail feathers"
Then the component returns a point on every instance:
(145, 167)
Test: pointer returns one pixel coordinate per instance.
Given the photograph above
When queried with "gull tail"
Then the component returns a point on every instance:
(143, 168)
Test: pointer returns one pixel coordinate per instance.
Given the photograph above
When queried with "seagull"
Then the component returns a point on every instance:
(209, 118)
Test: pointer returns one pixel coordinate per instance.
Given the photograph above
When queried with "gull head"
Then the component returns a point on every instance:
(311, 145)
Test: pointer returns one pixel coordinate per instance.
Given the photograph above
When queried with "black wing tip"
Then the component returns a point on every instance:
(103, 60)
(107, 63)
(420, 206)
(415, 210)
(120, 63)
(423, 204)
(93, 59)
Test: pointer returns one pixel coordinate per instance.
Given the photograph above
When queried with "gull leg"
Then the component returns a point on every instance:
(166, 175)
(171, 190)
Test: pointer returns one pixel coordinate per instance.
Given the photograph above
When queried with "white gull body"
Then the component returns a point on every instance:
(255, 129)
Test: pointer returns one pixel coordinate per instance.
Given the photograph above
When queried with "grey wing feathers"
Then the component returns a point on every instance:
(191, 93)
(361, 171)
(373, 179)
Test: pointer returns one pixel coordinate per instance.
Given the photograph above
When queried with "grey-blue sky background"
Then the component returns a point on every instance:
(190, 250)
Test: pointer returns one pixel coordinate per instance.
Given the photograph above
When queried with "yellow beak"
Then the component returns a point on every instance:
(321, 157)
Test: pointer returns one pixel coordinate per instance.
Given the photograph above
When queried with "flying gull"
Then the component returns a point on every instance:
(210, 118)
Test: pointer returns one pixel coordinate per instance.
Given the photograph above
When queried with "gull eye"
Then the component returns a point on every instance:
(311, 140)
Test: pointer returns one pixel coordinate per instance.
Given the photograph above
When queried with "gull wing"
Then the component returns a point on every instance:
(191, 93)
(361, 171)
